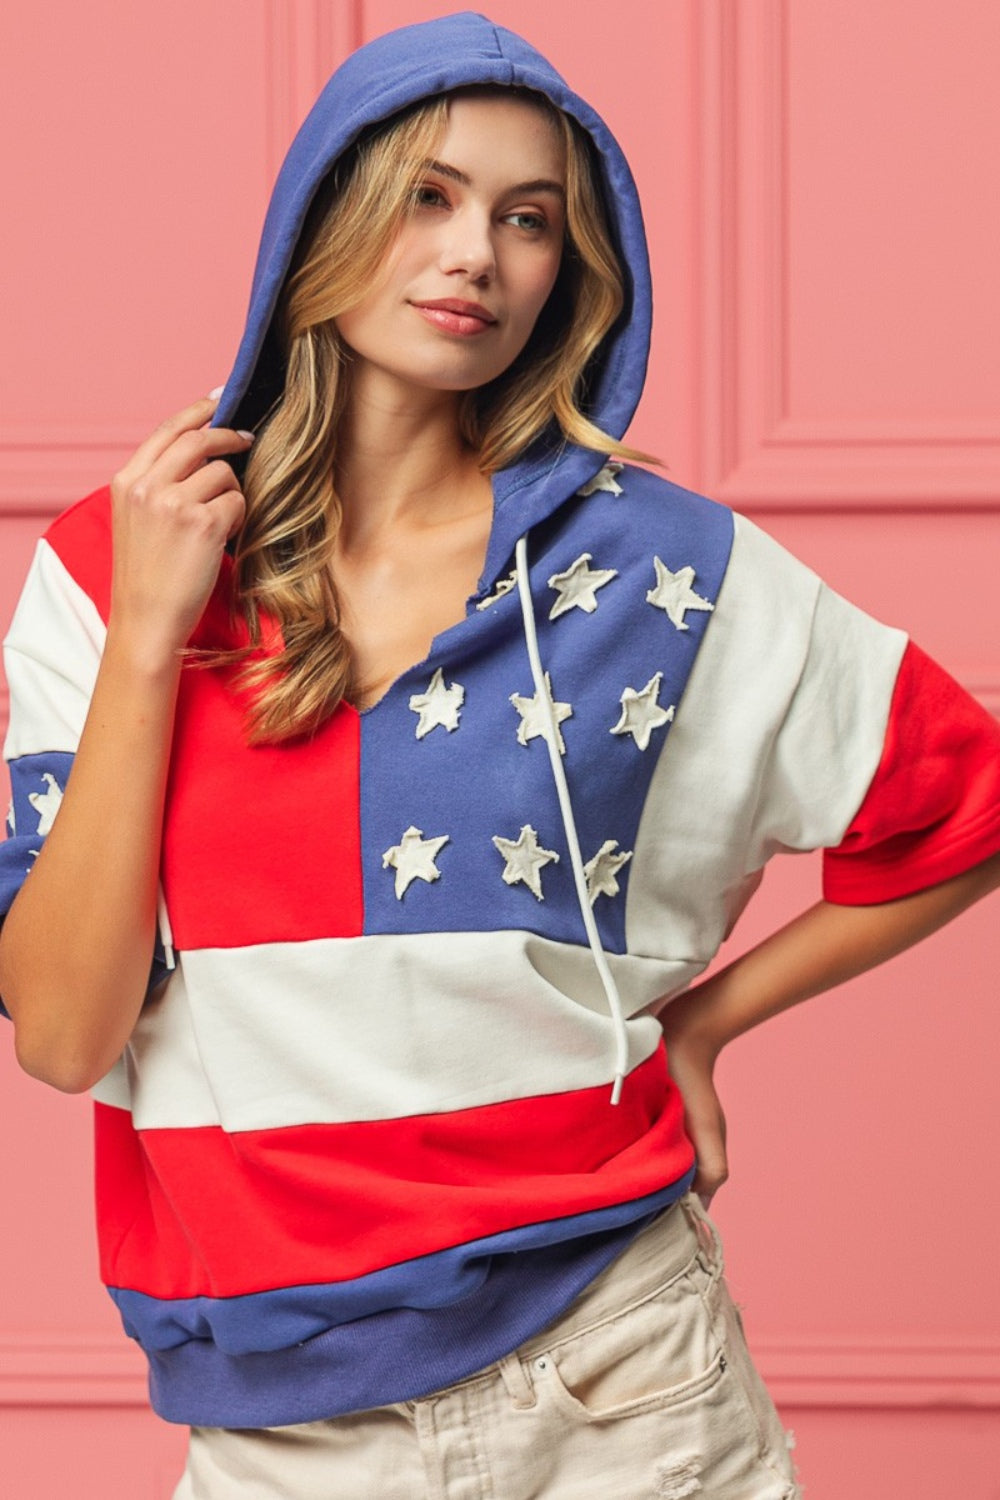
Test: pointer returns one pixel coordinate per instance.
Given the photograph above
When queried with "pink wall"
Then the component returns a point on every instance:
(820, 186)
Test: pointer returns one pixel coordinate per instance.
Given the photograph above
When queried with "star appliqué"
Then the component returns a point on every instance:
(641, 713)
(413, 859)
(601, 871)
(534, 720)
(577, 586)
(439, 706)
(604, 479)
(673, 594)
(47, 803)
(504, 586)
(524, 859)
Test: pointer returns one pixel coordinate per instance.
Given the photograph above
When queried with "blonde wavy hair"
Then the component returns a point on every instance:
(284, 549)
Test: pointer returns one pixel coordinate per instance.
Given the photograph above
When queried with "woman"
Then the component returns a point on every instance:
(442, 753)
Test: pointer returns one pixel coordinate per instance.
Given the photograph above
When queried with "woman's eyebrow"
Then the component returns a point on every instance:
(536, 185)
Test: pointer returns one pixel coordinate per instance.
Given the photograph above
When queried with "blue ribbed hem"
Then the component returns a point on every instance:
(398, 1354)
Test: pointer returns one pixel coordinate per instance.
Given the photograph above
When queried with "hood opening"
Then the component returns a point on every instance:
(388, 75)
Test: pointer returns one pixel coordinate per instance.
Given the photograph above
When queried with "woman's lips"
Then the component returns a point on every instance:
(452, 315)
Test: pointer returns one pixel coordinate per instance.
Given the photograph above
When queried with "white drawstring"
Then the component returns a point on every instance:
(569, 823)
(569, 827)
(163, 924)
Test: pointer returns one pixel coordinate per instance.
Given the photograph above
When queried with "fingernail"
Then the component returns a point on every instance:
(247, 436)
(214, 395)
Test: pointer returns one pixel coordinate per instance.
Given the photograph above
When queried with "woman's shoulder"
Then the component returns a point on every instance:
(694, 553)
(653, 509)
(637, 502)
(87, 519)
(80, 538)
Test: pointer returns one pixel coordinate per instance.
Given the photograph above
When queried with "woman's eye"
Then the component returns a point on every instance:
(429, 196)
(527, 220)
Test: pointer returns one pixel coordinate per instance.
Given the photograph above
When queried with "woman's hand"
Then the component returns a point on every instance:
(175, 504)
(821, 948)
(691, 1056)
(76, 944)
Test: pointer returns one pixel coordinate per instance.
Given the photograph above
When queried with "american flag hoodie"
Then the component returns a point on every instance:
(395, 1094)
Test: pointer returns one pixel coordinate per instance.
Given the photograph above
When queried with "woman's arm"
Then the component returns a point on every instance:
(822, 948)
(76, 944)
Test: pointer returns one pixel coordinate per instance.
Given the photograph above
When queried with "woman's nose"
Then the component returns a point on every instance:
(468, 246)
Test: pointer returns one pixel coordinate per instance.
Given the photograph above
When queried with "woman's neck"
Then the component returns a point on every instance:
(401, 462)
(415, 521)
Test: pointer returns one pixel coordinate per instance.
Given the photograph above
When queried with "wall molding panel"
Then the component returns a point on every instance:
(41, 467)
(304, 43)
(866, 1372)
(754, 453)
(42, 1369)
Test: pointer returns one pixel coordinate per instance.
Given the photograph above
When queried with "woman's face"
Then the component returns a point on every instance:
(468, 273)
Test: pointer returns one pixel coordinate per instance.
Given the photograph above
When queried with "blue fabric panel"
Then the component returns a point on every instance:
(287, 1316)
(400, 1354)
(37, 784)
(478, 780)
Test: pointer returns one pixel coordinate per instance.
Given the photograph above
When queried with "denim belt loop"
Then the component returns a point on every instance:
(517, 1382)
(706, 1234)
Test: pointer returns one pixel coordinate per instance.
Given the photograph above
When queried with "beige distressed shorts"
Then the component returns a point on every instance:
(643, 1390)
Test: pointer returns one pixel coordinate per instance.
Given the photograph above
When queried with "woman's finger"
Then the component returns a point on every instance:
(192, 449)
(706, 1126)
(704, 1120)
(187, 419)
(208, 483)
(216, 489)
(232, 508)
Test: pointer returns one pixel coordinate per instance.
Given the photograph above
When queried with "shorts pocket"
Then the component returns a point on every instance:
(669, 1376)
(657, 1353)
(658, 1400)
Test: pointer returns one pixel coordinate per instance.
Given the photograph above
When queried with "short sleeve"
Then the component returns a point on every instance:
(774, 745)
(51, 657)
(932, 809)
(52, 654)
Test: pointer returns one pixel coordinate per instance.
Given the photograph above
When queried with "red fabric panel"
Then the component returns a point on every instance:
(261, 844)
(81, 539)
(933, 807)
(228, 804)
(195, 1212)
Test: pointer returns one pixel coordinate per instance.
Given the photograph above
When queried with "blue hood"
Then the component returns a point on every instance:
(381, 78)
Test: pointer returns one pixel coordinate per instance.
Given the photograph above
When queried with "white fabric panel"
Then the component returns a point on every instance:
(51, 656)
(164, 1034)
(379, 1027)
(773, 747)
(114, 1088)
